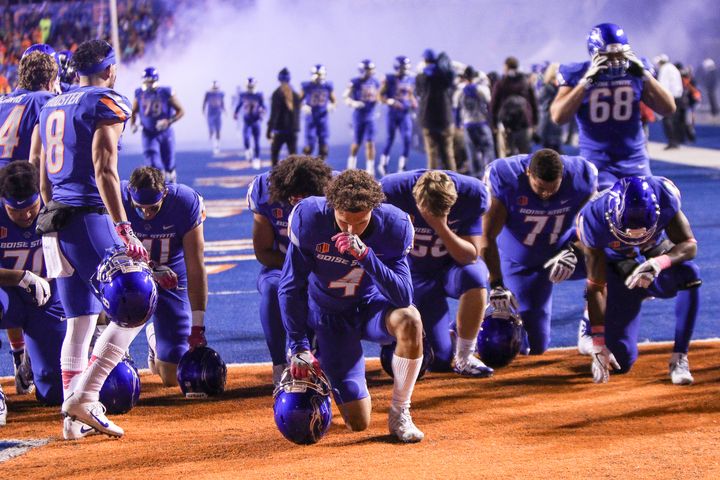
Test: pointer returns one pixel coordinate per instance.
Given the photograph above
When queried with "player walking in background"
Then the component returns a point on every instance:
(362, 96)
(158, 108)
(604, 95)
(638, 244)
(271, 198)
(284, 122)
(214, 108)
(346, 277)
(84, 217)
(318, 98)
(168, 219)
(529, 236)
(398, 93)
(252, 106)
(473, 100)
(446, 210)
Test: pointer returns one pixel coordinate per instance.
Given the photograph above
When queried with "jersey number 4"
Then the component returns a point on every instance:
(350, 282)
(9, 138)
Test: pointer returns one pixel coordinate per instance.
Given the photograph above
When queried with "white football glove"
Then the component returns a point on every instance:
(162, 124)
(357, 104)
(636, 66)
(602, 361)
(597, 66)
(561, 265)
(165, 277)
(502, 299)
(306, 109)
(349, 243)
(644, 274)
(36, 286)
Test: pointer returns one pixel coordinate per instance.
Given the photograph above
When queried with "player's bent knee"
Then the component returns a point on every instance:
(689, 274)
(406, 324)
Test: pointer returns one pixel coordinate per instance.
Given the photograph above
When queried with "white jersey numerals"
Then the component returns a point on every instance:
(437, 249)
(350, 282)
(606, 103)
(540, 221)
(9, 138)
(21, 256)
(164, 248)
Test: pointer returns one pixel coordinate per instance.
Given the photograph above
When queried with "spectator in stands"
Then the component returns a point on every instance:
(515, 107)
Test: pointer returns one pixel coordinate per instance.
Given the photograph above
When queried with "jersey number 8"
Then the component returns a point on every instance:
(54, 147)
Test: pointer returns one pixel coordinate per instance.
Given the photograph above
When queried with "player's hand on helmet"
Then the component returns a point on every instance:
(644, 274)
(350, 243)
(165, 277)
(502, 299)
(636, 67)
(597, 66)
(162, 124)
(197, 337)
(134, 246)
(301, 363)
(603, 361)
(562, 265)
(36, 286)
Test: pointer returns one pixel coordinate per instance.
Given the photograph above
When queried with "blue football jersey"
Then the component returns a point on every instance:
(67, 126)
(536, 229)
(401, 90)
(154, 105)
(609, 117)
(316, 276)
(251, 105)
(182, 210)
(594, 231)
(465, 218)
(317, 96)
(19, 113)
(258, 198)
(366, 91)
(214, 103)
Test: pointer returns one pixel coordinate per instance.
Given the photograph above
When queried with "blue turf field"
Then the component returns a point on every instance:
(232, 321)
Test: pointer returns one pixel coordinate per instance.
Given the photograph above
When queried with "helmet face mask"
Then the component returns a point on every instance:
(632, 211)
(366, 68)
(318, 73)
(150, 78)
(302, 407)
(609, 39)
(251, 84)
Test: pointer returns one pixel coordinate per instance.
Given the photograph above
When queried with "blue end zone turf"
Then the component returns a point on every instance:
(233, 327)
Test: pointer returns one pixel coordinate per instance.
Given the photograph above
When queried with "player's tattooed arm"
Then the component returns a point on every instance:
(493, 223)
(263, 237)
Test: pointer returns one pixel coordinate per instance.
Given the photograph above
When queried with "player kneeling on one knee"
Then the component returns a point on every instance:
(638, 244)
(168, 219)
(346, 277)
(446, 209)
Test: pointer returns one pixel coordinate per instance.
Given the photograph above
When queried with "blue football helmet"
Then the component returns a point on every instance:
(201, 373)
(318, 72)
(632, 211)
(366, 67)
(387, 351)
(66, 72)
(501, 337)
(150, 77)
(126, 288)
(302, 407)
(39, 47)
(121, 390)
(609, 38)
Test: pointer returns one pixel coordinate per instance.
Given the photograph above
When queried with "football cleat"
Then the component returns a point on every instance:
(472, 367)
(92, 414)
(256, 165)
(680, 369)
(400, 424)
(585, 343)
(382, 165)
(72, 429)
(3, 407)
(23, 372)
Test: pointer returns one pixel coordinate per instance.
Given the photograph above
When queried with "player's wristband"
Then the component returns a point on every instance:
(664, 261)
(598, 335)
(198, 318)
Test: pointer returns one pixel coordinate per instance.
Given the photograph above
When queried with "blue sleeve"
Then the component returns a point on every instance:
(494, 181)
(392, 279)
(669, 195)
(254, 193)
(111, 106)
(570, 74)
(472, 225)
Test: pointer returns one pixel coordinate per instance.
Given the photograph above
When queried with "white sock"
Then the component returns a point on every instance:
(464, 348)
(405, 372)
(401, 164)
(109, 350)
(384, 160)
(351, 162)
(248, 154)
(74, 351)
(370, 166)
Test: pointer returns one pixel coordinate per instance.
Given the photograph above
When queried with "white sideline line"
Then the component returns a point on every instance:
(233, 292)
(686, 155)
(19, 447)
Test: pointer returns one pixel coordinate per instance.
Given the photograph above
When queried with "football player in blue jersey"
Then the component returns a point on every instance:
(214, 108)
(20, 110)
(158, 108)
(529, 236)
(398, 93)
(168, 219)
(362, 95)
(83, 217)
(638, 244)
(28, 302)
(347, 278)
(604, 95)
(318, 98)
(446, 210)
(271, 197)
(252, 106)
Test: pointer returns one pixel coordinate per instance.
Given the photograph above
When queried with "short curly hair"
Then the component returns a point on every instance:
(19, 180)
(36, 71)
(354, 191)
(435, 192)
(298, 176)
(89, 54)
(546, 164)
